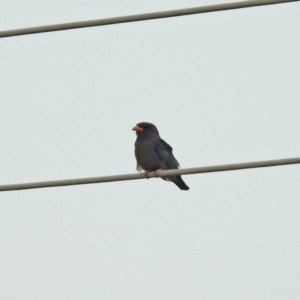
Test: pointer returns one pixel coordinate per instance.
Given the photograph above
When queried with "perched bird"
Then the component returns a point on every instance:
(154, 154)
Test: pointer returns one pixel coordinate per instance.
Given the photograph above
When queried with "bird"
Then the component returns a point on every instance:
(153, 154)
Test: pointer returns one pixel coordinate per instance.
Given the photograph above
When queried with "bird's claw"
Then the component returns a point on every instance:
(157, 172)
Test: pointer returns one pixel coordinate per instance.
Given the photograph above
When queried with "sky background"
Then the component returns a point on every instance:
(221, 87)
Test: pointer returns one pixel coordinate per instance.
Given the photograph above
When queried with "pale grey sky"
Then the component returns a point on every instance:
(221, 88)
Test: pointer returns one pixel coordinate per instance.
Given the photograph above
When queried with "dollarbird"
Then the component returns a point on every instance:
(154, 154)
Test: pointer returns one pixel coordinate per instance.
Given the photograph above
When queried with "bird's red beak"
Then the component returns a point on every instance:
(137, 128)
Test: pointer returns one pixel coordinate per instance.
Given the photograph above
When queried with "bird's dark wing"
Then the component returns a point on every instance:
(165, 154)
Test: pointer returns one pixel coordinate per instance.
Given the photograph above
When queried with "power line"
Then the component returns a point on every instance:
(141, 17)
(166, 173)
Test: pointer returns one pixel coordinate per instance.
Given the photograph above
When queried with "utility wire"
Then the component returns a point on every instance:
(166, 173)
(141, 17)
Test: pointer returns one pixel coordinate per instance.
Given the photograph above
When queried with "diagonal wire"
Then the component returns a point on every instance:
(165, 173)
(141, 17)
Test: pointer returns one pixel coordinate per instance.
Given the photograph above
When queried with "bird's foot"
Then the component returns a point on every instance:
(157, 172)
(146, 174)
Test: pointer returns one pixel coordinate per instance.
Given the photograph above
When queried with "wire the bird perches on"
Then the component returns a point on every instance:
(141, 17)
(208, 169)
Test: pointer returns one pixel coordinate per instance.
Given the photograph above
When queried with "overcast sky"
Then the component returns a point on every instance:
(221, 88)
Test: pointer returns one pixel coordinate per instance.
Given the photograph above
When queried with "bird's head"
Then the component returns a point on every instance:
(145, 129)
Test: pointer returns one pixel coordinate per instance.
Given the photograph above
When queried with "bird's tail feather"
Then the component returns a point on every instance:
(180, 183)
